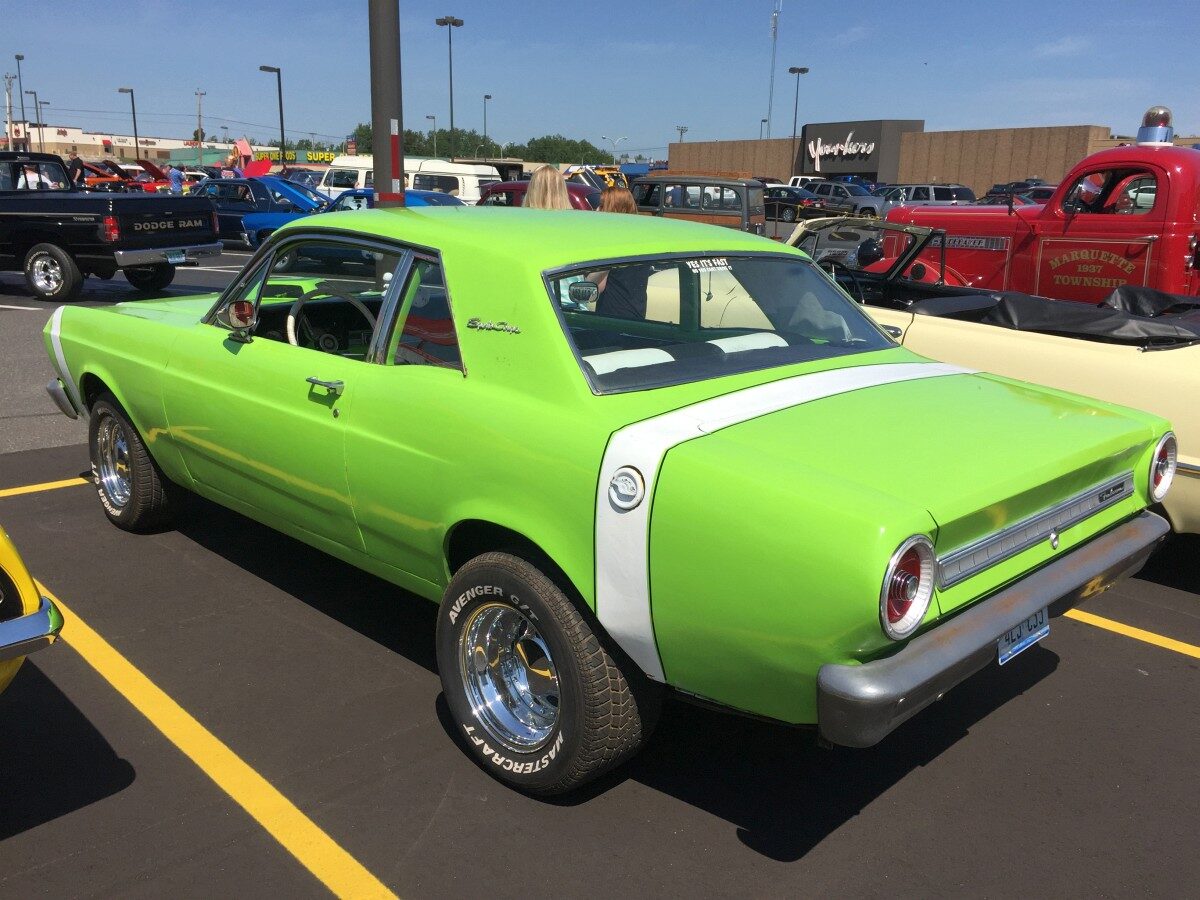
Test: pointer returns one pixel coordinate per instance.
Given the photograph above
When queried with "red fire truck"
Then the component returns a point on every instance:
(1128, 215)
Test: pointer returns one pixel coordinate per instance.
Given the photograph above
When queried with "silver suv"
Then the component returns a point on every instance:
(935, 194)
(861, 201)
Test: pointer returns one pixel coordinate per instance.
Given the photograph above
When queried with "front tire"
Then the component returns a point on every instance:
(543, 706)
(51, 273)
(133, 492)
(151, 278)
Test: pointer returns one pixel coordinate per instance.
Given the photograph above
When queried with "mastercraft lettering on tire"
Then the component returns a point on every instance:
(681, 472)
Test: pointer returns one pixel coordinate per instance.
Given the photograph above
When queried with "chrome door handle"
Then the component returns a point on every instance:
(334, 387)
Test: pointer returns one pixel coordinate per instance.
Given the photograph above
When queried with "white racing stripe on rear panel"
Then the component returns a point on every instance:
(64, 371)
(623, 536)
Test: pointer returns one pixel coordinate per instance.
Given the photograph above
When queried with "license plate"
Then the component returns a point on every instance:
(1023, 636)
(175, 257)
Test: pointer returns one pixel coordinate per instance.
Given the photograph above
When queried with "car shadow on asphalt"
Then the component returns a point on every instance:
(53, 761)
(782, 791)
(1175, 564)
(377, 609)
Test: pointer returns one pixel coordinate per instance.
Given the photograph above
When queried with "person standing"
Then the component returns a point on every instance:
(617, 200)
(175, 178)
(75, 171)
(547, 190)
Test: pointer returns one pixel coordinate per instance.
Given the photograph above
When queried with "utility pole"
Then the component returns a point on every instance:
(21, 90)
(38, 109)
(682, 129)
(199, 128)
(8, 110)
(387, 109)
(774, 39)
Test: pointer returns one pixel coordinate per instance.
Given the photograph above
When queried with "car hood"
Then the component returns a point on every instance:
(977, 452)
(183, 311)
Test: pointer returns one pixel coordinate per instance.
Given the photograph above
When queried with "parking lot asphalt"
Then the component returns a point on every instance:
(1068, 772)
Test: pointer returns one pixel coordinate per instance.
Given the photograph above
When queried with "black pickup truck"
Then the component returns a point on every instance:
(58, 234)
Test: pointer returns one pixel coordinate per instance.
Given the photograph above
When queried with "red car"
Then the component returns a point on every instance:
(512, 193)
(150, 179)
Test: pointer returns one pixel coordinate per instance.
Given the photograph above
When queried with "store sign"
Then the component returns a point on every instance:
(842, 147)
(304, 156)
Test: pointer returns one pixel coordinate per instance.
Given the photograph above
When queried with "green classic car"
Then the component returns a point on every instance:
(622, 453)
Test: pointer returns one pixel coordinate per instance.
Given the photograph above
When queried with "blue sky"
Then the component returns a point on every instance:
(615, 68)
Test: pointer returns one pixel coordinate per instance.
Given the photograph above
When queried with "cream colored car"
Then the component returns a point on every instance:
(1156, 373)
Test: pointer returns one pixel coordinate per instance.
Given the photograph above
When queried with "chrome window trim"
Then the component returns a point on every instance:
(965, 562)
(1182, 468)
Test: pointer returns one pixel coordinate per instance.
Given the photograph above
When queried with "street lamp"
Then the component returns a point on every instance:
(137, 150)
(486, 98)
(614, 142)
(761, 123)
(450, 23)
(797, 71)
(434, 118)
(37, 108)
(279, 88)
(21, 88)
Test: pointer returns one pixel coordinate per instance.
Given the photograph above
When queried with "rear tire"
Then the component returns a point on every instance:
(51, 273)
(788, 214)
(151, 278)
(133, 492)
(543, 706)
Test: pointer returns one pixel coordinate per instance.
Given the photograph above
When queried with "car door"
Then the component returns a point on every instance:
(410, 425)
(260, 424)
(1102, 234)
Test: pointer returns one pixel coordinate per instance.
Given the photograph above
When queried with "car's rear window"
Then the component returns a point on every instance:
(649, 323)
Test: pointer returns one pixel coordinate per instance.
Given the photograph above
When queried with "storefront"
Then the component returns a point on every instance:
(869, 149)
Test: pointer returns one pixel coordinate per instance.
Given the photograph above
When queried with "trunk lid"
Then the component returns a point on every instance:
(978, 452)
(148, 220)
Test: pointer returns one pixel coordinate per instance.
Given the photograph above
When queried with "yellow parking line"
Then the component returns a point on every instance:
(1136, 633)
(313, 848)
(44, 486)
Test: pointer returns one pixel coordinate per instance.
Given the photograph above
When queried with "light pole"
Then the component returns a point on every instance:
(21, 88)
(37, 108)
(774, 41)
(682, 129)
(199, 128)
(797, 71)
(761, 123)
(450, 23)
(614, 142)
(137, 150)
(434, 118)
(486, 98)
(279, 88)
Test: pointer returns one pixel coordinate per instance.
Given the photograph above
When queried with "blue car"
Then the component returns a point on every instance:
(364, 198)
(249, 209)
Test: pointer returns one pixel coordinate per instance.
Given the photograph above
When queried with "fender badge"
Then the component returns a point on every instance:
(477, 325)
(627, 488)
(1054, 539)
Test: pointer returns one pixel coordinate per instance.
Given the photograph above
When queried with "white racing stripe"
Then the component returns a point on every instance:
(623, 536)
(60, 361)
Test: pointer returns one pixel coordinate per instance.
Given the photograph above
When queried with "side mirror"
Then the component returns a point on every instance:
(583, 293)
(241, 317)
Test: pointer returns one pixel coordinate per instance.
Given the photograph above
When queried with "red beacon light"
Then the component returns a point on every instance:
(1156, 127)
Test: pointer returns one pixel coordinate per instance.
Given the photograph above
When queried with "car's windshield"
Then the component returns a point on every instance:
(656, 322)
(315, 196)
(857, 190)
(857, 245)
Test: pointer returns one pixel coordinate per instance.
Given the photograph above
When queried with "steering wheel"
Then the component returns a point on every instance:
(832, 265)
(319, 290)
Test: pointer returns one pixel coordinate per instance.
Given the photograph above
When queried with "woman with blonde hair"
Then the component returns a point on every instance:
(617, 200)
(547, 190)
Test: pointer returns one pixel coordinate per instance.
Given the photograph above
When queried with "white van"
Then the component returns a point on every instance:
(463, 180)
(802, 181)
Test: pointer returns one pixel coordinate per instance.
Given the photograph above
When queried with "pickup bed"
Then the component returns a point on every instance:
(58, 235)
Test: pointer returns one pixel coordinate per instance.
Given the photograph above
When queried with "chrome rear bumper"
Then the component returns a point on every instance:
(151, 256)
(857, 706)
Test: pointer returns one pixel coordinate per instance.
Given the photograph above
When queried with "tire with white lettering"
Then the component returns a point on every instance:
(150, 278)
(134, 493)
(51, 273)
(542, 704)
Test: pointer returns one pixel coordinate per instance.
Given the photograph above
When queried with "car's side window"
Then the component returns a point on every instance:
(325, 295)
(943, 193)
(342, 178)
(426, 336)
(646, 194)
(920, 193)
(1113, 191)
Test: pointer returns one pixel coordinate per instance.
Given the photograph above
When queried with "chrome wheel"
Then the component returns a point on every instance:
(46, 273)
(112, 446)
(509, 677)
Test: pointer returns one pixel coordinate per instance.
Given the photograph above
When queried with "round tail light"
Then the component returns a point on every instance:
(907, 587)
(1162, 466)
